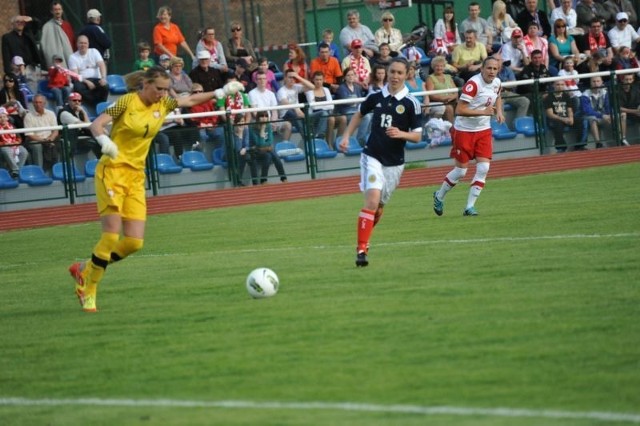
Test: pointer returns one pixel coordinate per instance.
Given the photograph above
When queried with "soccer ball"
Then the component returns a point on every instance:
(262, 282)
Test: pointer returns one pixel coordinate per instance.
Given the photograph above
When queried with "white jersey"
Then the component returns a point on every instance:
(479, 95)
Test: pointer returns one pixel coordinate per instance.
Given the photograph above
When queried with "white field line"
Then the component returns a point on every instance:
(328, 406)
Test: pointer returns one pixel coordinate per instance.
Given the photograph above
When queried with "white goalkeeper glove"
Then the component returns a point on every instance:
(230, 88)
(108, 147)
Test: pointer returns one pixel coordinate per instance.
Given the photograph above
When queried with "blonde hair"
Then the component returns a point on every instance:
(163, 9)
(387, 14)
(176, 60)
(135, 80)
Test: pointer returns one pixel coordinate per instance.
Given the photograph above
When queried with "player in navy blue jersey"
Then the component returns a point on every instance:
(396, 120)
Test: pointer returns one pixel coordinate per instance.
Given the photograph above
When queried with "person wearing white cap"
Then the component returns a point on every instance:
(616, 6)
(622, 34)
(98, 38)
(58, 36)
(210, 78)
(11, 149)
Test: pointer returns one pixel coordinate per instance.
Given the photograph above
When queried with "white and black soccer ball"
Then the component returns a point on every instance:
(262, 282)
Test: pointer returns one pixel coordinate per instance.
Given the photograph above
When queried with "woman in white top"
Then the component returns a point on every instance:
(499, 21)
(323, 121)
(387, 34)
(209, 43)
(446, 30)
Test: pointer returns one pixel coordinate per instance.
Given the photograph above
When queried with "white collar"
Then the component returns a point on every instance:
(401, 94)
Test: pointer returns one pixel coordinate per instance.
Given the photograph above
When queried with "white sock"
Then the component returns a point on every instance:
(450, 180)
(478, 183)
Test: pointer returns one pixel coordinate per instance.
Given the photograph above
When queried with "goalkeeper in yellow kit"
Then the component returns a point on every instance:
(120, 175)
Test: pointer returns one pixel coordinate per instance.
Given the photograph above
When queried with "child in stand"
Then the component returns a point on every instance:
(327, 37)
(263, 65)
(144, 62)
(11, 148)
(571, 85)
(18, 69)
(59, 81)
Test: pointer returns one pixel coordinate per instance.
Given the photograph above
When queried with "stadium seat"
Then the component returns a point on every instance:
(58, 173)
(276, 71)
(289, 152)
(33, 175)
(90, 167)
(117, 85)
(507, 107)
(501, 130)
(166, 165)
(525, 125)
(102, 106)
(196, 161)
(6, 181)
(217, 156)
(354, 147)
(43, 89)
(322, 149)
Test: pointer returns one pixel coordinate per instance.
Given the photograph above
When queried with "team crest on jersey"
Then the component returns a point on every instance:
(156, 114)
(110, 193)
(400, 109)
(372, 178)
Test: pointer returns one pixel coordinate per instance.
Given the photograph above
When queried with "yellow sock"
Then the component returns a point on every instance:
(94, 269)
(125, 247)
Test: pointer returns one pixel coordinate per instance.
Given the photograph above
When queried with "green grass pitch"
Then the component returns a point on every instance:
(532, 307)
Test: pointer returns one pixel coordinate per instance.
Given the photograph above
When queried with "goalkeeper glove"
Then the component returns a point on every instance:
(108, 147)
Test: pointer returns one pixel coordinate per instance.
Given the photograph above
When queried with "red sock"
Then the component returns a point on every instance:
(365, 226)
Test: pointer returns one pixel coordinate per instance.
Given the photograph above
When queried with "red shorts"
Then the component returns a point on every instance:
(468, 146)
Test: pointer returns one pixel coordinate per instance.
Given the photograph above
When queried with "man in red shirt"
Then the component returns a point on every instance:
(58, 37)
(328, 66)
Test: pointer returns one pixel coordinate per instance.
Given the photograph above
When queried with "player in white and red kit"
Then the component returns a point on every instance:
(396, 121)
(472, 137)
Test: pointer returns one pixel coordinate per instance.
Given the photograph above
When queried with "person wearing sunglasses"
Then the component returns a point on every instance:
(617, 6)
(623, 34)
(387, 33)
(81, 140)
(238, 47)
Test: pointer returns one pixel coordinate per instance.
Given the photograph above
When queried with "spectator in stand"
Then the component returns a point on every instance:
(446, 29)
(350, 89)
(13, 100)
(11, 149)
(501, 24)
(509, 97)
(596, 109)
(630, 98)
(263, 65)
(322, 116)
(477, 23)
(60, 82)
(327, 38)
(89, 64)
(378, 79)
(617, 6)
(468, 57)
(593, 63)
(58, 37)
(415, 84)
(209, 129)
(358, 63)
(98, 37)
(239, 47)
(571, 84)
(261, 97)
(241, 73)
(210, 78)
(514, 54)
(562, 45)
(439, 80)
(354, 30)
(181, 83)
(623, 34)
(81, 140)
(262, 141)
(328, 66)
(167, 36)
(297, 61)
(289, 94)
(587, 11)
(165, 62)
(387, 34)
(560, 113)
(144, 62)
(534, 41)
(20, 41)
(384, 58)
(209, 43)
(535, 69)
(239, 100)
(569, 16)
(530, 14)
(42, 144)
(624, 60)
(596, 40)
(18, 69)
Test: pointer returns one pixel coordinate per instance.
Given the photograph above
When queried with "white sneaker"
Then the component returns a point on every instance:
(625, 142)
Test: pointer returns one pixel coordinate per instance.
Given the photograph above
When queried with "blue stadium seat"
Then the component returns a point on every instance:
(322, 149)
(525, 125)
(166, 165)
(276, 71)
(43, 89)
(117, 85)
(354, 147)
(196, 161)
(217, 156)
(90, 167)
(501, 130)
(289, 152)
(101, 107)
(6, 181)
(33, 175)
(58, 173)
